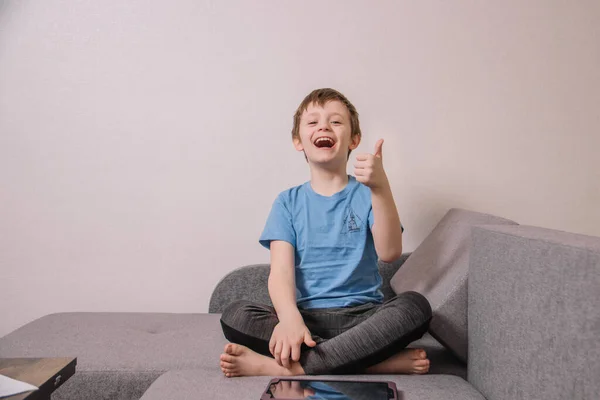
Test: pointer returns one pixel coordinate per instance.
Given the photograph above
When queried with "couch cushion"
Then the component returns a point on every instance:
(120, 354)
(121, 341)
(534, 320)
(148, 342)
(438, 270)
(205, 384)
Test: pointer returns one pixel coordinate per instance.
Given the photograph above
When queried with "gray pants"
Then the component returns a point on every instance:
(349, 340)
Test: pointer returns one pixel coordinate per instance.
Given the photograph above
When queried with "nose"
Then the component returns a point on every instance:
(323, 126)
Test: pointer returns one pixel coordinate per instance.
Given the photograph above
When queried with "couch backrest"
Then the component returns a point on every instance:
(250, 283)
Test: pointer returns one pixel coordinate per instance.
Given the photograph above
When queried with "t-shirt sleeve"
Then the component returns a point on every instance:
(279, 225)
(372, 220)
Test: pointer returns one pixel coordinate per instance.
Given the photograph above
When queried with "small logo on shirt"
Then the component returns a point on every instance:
(352, 222)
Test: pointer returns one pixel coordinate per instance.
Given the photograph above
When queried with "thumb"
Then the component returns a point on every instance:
(309, 340)
(378, 148)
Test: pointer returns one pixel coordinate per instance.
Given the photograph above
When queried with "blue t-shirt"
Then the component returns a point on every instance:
(335, 258)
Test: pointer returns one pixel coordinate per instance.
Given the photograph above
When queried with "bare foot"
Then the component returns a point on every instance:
(238, 360)
(408, 361)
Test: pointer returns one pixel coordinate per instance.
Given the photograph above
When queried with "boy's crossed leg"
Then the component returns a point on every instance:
(376, 344)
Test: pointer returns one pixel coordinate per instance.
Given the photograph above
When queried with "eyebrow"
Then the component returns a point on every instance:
(314, 114)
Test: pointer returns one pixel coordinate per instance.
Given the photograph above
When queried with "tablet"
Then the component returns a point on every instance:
(288, 388)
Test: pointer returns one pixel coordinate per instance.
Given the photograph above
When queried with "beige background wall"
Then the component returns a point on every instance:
(142, 142)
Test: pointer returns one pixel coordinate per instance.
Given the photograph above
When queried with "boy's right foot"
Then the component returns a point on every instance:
(238, 360)
(408, 361)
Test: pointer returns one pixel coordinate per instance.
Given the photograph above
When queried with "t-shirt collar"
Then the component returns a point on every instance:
(341, 194)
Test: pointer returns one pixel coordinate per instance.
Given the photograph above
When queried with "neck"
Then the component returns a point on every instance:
(327, 182)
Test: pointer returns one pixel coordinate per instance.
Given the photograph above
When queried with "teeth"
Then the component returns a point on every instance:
(323, 139)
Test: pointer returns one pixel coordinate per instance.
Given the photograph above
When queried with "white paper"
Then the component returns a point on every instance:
(10, 387)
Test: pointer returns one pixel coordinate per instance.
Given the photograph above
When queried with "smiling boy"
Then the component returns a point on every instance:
(325, 237)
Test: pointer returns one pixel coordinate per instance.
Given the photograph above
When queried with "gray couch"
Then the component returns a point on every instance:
(533, 332)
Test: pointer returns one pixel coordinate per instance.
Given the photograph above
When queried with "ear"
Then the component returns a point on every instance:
(354, 142)
(298, 144)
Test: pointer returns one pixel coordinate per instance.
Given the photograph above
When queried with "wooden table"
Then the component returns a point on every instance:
(45, 373)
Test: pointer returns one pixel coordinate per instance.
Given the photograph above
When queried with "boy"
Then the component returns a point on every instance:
(325, 237)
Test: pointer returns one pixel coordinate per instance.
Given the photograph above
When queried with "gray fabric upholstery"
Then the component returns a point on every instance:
(207, 384)
(147, 342)
(121, 341)
(246, 283)
(534, 320)
(387, 271)
(438, 269)
(250, 283)
(106, 385)
(120, 354)
(442, 360)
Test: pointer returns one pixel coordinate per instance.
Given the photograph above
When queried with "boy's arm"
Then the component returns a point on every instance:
(282, 281)
(386, 229)
(290, 332)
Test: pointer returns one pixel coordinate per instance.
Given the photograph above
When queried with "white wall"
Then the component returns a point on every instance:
(142, 142)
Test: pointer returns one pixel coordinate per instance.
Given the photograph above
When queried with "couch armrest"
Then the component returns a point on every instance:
(533, 315)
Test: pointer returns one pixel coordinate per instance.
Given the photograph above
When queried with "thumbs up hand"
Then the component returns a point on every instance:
(368, 168)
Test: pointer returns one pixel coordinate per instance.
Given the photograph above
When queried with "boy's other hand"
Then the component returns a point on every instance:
(286, 340)
(368, 168)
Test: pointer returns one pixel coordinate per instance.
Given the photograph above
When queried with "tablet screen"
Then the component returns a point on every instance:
(329, 390)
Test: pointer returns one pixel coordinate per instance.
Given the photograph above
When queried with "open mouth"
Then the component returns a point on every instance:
(324, 142)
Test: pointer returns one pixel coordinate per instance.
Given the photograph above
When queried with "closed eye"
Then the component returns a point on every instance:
(312, 122)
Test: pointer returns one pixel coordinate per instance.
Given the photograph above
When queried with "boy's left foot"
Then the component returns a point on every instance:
(238, 360)
(408, 361)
